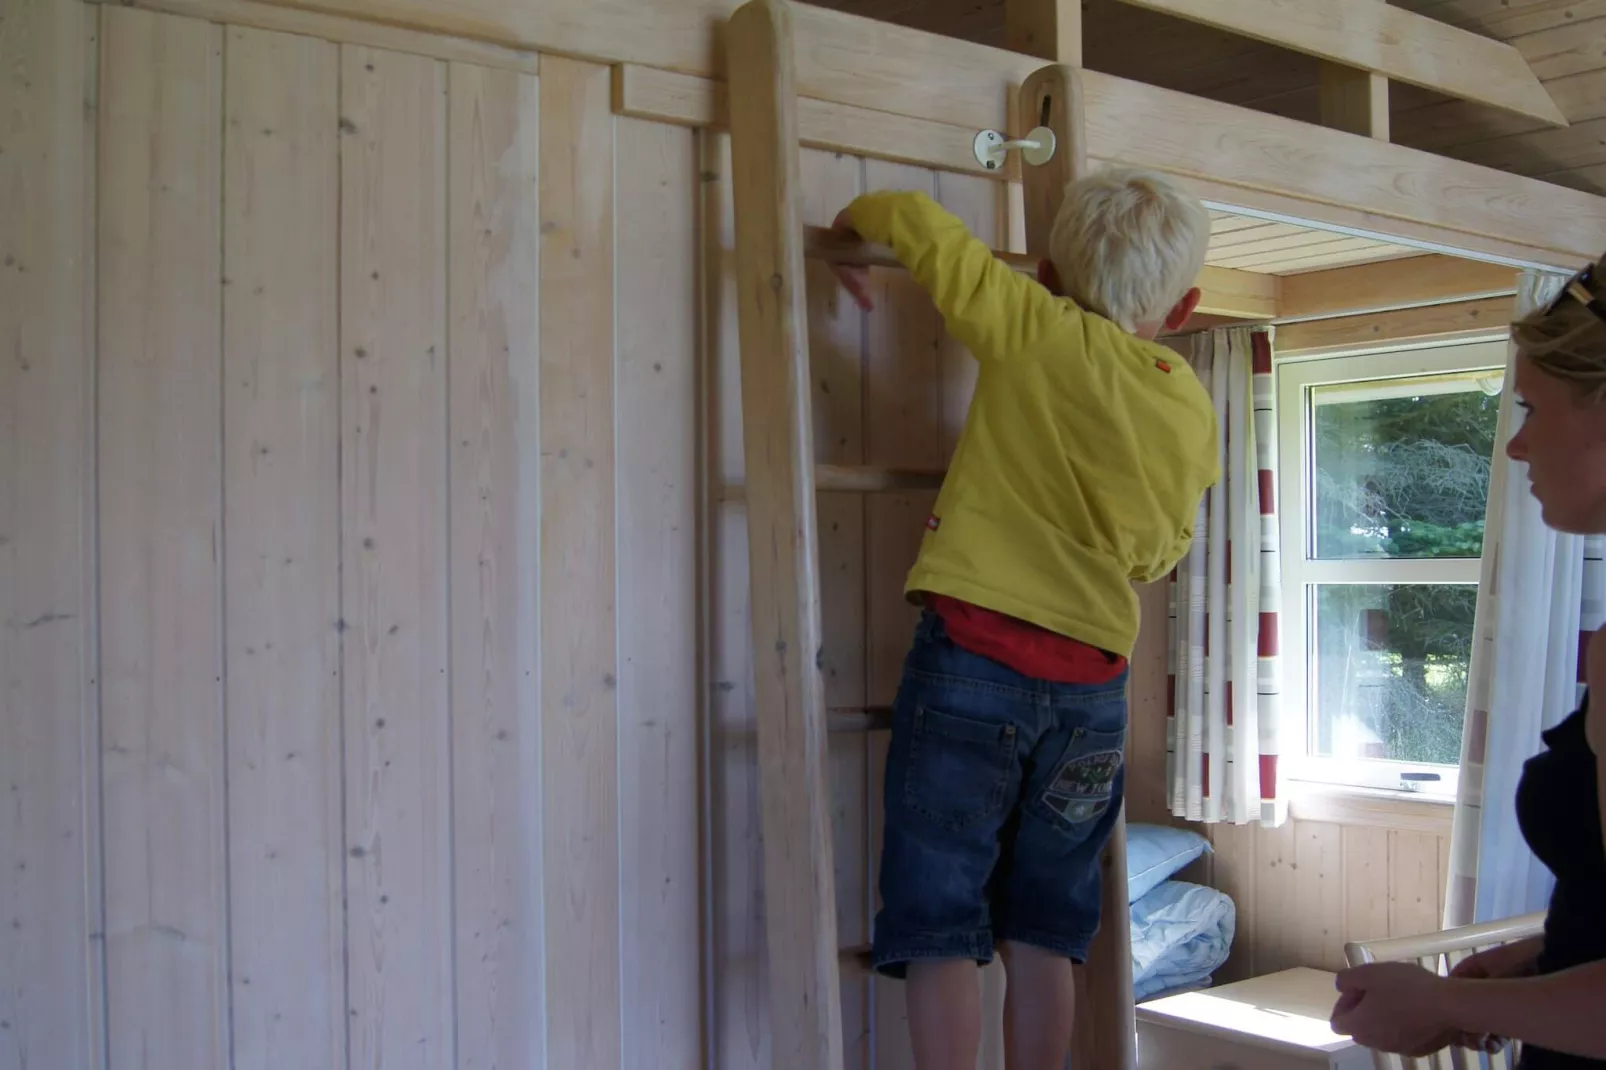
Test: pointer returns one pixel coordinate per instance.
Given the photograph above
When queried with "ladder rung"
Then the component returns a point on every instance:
(858, 956)
(823, 243)
(863, 478)
(867, 719)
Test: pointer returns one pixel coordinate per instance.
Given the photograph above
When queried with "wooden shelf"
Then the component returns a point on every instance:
(868, 478)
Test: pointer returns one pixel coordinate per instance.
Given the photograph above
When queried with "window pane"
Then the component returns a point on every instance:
(1402, 467)
(1391, 670)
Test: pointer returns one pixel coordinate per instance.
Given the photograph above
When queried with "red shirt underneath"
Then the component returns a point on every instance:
(1024, 647)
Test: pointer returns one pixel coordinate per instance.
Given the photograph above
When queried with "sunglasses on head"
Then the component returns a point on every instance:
(1581, 288)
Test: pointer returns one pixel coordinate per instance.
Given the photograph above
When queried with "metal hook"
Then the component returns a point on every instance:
(1036, 148)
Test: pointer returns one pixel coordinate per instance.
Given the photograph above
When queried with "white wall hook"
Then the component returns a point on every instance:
(1036, 148)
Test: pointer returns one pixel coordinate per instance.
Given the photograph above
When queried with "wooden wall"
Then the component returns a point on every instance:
(380, 496)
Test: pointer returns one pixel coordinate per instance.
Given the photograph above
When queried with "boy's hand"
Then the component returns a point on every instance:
(855, 278)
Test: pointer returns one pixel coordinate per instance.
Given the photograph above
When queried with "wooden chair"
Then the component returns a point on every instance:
(1440, 952)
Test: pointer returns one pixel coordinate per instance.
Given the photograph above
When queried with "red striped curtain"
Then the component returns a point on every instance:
(1223, 719)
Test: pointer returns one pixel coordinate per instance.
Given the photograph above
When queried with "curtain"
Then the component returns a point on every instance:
(1223, 710)
(1539, 595)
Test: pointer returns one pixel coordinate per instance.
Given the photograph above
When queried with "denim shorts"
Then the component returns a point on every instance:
(1001, 793)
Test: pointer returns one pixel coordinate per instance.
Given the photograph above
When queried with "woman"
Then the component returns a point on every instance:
(1548, 992)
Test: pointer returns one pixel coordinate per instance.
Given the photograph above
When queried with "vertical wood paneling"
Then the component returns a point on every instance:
(739, 963)
(1366, 883)
(1232, 867)
(394, 560)
(904, 427)
(579, 708)
(281, 458)
(493, 288)
(1319, 888)
(660, 706)
(50, 968)
(1414, 884)
(160, 533)
(1277, 905)
(836, 339)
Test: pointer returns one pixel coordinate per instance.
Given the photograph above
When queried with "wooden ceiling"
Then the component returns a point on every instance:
(1268, 248)
(1564, 42)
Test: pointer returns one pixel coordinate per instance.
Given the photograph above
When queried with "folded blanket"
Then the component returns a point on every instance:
(1181, 934)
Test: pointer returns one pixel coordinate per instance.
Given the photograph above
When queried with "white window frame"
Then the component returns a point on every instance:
(1295, 377)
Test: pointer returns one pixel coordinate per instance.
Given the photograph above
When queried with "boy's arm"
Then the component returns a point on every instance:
(989, 307)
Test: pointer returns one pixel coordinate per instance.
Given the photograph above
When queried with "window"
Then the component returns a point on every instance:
(1384, 472)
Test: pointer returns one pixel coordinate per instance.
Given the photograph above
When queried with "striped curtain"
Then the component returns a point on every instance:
(1222, 723)
(1540, 596)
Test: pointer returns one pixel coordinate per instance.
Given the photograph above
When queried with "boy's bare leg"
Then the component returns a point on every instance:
(1039, 1007)
(944, 1014)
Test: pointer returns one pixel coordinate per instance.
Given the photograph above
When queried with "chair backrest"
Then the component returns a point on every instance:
(1440, 952)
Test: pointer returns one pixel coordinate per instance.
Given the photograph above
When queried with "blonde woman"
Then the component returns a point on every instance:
(1548, 992)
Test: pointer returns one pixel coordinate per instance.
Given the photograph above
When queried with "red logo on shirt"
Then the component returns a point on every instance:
(1163, 366)
(933, 522)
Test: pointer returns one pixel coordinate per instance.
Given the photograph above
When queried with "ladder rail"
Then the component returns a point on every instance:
(783, 543)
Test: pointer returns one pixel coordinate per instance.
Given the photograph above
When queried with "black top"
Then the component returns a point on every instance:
(1559, 815)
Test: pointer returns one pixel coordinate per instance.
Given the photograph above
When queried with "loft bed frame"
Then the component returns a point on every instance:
(828, 80)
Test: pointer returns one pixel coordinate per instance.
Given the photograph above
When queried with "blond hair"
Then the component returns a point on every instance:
(1128, 243)
(1568, 342)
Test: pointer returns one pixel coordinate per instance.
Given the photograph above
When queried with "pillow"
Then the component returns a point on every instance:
(1155, 852)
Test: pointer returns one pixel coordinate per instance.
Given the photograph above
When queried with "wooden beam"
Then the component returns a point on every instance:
(1391, 284)
(355, 31)
(1105, 1036)
(1053, 97)
(1464, 319)
(1047, 29)
(1375, 36)
(1354, 101)
(1252, 160)
(1246, 159)
(687, 100)
(783, 543)
(1238, 295)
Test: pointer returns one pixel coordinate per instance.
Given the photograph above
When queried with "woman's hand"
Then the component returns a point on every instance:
(855, 278)
(1393, 1007)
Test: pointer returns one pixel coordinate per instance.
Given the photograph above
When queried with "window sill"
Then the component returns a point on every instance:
(1401, 811)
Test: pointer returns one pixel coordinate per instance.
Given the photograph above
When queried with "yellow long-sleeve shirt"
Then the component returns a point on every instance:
(1084, 457)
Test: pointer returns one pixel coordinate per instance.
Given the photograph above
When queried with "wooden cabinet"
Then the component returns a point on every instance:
(1275, 1022)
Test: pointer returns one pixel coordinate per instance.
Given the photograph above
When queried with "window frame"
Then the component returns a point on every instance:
(1295, 376)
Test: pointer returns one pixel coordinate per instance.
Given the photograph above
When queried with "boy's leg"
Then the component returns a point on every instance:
(1047, 909)
(960, 725)
(1039, 1007)
(944, 997)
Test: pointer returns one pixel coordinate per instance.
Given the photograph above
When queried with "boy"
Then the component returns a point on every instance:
(1080, 470)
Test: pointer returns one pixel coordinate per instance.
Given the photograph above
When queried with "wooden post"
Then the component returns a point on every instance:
(1047, 29)
(1106, 1027)
(1354, 100)
(789, 688)
(1052, 97)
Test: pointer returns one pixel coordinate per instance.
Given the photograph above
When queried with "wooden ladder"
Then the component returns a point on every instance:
(805, 958)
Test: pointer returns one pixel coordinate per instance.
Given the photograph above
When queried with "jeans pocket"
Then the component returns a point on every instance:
(959, 769)
(1080, 789)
